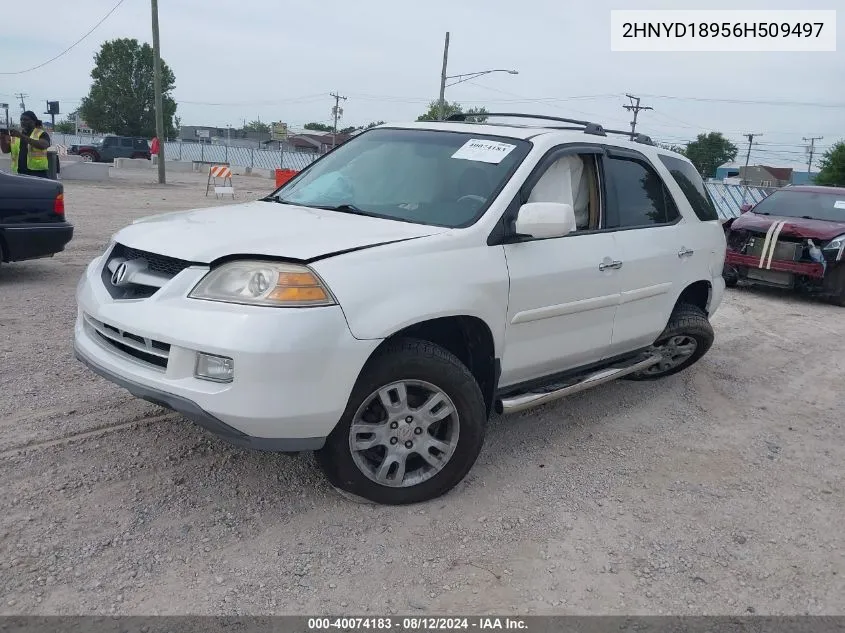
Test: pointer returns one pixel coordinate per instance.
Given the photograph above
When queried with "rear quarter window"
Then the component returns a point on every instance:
(692, 186)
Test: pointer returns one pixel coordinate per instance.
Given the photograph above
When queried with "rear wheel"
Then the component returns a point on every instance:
(687, 337)
(87, 157)
(730, 276)
(412, 429)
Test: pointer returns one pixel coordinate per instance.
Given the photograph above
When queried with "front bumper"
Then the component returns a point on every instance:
(804, 269)
(294, 368)
(36, 240)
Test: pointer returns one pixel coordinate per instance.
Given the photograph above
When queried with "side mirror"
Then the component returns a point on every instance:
(746, 207)
(545, 219)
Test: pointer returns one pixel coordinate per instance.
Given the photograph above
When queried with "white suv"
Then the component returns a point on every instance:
(380, 306)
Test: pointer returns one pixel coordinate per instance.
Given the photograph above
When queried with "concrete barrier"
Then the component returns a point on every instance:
(132, 163)
(85, 171)
(181, 167)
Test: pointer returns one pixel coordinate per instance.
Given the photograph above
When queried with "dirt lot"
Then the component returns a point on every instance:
(716, 491)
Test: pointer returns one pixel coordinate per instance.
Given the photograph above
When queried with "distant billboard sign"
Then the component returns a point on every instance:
(204, 133)
(279, 131)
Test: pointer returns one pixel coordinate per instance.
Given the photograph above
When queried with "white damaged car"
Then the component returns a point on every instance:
(381, 305)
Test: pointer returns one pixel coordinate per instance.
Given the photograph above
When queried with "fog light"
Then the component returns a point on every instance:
(215, 368)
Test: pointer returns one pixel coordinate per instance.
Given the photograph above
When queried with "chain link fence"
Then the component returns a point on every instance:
(235, 156)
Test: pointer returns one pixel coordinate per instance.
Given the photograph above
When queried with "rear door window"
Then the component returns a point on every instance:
(690, 182)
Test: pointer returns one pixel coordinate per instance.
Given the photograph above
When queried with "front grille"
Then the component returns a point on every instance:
(155, 262)
(148, 351)
(159, 265)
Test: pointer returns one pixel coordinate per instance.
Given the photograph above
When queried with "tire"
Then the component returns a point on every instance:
(687, 322)
(419, 366)
(87, 157)
(730, 276)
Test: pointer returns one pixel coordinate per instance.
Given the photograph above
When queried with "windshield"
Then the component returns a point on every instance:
(804, 204)
(422, 176)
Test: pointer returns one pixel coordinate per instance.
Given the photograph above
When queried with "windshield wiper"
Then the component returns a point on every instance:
(275, 199)
(345, 208)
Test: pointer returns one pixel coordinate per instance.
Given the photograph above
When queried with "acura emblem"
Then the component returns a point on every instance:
(118, 277)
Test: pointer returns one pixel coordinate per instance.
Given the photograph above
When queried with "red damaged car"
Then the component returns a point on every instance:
(794, 238)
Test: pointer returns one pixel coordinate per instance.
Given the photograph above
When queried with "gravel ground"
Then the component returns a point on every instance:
(717, 491)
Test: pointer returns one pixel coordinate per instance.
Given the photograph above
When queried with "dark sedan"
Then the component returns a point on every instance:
(32, 218)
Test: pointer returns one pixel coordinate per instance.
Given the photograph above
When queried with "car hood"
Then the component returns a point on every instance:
(263, 228)
(794, 227)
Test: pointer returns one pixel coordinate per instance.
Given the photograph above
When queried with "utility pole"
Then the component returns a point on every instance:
(441, 103)
(811, 150)
(750, 138)
(336, 112)
(635, 107)
(22, 96)
(159, 109)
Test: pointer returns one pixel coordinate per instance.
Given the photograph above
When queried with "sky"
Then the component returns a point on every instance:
(279, 61)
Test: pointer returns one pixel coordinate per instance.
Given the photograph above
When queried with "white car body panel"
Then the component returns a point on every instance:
(266, 228)
(546, 303)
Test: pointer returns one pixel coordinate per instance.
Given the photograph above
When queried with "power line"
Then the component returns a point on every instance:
(52, 59)
(635, 107)
(752, 101)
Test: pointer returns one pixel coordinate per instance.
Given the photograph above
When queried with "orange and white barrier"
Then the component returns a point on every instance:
(225, 187)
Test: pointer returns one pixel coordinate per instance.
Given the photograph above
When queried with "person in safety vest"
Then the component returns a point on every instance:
(27, 146)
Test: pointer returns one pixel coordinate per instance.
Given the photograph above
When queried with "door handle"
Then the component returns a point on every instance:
(616, 264)
(685, 252)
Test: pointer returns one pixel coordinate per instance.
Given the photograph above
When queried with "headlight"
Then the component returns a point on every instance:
(836, 245)
(263, 284)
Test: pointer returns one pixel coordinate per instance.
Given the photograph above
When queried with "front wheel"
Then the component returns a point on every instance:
(87, 157)
(687, 337)
(412, 429)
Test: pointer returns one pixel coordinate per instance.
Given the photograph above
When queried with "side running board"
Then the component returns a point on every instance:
(520, 402)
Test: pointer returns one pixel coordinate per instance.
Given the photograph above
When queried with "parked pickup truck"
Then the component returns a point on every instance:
(32, 218)
(382, 304)
(106, 149)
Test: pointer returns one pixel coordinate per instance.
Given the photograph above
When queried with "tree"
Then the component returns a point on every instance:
(66, 127)
(318, 127)
(121, 99)
(257, 126)
(673, 148)
(708, 151)
(832, 167)
(177, 123)
(433, 112)
(371, 125)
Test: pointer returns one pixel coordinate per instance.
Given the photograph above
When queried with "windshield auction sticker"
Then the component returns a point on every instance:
(484, 151)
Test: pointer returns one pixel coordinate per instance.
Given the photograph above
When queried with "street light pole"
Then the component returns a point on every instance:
(441, 104)
(159, 110)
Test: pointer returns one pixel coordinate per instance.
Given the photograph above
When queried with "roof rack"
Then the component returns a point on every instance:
(587, 126)
(638, 138)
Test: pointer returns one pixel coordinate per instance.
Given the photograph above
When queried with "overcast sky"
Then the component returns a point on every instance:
(278, 61)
